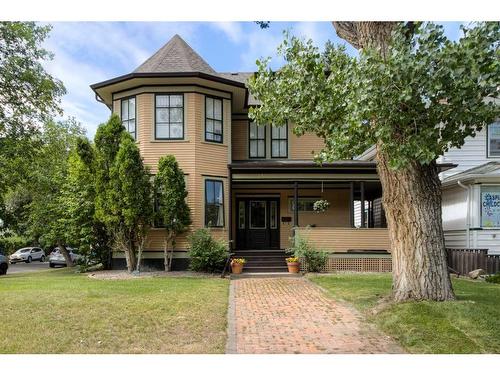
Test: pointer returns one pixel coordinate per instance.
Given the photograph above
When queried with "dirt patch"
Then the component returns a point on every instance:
(124, 275)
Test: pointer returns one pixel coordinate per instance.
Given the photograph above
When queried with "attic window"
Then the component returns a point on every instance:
(169, 116)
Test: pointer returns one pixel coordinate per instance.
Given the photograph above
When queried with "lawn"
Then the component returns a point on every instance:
(468, 325)
(63, 312)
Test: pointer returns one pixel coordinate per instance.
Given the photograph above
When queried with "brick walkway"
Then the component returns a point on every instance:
(292, 315)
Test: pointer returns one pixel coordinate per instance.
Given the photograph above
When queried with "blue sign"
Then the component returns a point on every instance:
(490, 206)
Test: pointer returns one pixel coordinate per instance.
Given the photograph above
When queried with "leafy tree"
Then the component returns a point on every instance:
(78, 199)
(414, 94)
(46, 180)
(173, 211)
(123, 190)
(29, 96)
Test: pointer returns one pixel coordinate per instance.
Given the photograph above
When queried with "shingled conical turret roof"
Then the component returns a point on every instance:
(175, 56)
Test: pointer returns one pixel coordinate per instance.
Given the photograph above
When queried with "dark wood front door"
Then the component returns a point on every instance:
(257, 223)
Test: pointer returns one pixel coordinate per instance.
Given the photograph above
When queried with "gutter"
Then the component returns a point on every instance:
(467, 220)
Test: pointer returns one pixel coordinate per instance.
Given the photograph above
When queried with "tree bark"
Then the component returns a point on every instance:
(412, 204)
(64, 252)
(411, 199)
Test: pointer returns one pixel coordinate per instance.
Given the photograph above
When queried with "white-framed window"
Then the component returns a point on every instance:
(169, 116)
(213, 120)
(279, 141)
(493, 140)
(490, 206)
(257, 140)
(306, 204)
(127, 115)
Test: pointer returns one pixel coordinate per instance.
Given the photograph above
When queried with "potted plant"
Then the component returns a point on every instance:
(237, 265)
(293, 264)
(321, 205)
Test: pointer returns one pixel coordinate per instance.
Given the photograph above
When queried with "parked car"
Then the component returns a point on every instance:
(27, 254)
(4, 264)
(57, 259)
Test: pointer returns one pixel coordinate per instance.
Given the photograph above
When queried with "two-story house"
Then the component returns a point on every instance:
(252, 184)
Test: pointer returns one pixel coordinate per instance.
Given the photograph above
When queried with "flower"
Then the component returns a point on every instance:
(292, 260)
(321, 205)
(238, 261)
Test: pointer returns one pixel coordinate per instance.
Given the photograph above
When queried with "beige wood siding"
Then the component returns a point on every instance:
(343, 239)
(299, 148)
(197, 158)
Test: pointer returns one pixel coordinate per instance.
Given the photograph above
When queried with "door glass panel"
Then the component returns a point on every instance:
(241, 215)
(273, 215)
(257, 214)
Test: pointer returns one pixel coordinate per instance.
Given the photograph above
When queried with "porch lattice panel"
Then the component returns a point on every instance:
(357, 264)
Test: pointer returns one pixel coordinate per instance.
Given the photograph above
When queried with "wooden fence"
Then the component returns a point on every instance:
(466, 260)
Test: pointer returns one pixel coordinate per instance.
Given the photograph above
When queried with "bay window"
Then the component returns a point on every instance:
(169, 116)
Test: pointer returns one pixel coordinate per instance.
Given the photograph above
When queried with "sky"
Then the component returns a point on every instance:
(91, 52)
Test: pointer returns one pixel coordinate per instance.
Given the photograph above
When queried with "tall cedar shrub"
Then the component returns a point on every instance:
(206, 253)
(172, 210)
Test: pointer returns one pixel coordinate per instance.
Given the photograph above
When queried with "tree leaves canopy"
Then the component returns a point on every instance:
(423, 96)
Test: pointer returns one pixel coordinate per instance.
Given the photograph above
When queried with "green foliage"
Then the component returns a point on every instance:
(170, 187)
(29, 96)
(314, 259)
(495, 279)
(206, 253)
(425, 95)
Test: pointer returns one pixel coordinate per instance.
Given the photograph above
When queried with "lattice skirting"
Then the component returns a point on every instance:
(356, 264)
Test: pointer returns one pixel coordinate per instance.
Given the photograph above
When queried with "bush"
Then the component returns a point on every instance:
(314, 259)
(206, 253)
(495, 279)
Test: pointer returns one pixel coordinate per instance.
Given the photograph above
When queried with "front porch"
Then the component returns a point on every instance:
(263, 217)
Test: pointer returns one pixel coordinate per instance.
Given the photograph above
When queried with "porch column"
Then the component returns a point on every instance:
(296, 204)
(351, 204)
(362, 188)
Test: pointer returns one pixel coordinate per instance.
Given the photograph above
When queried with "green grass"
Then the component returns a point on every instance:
(468, 325)
(63, 312)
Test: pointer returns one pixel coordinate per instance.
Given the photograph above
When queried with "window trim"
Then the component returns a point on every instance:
(183, 115)
(257, 139)
(291, 200)
(127, 98)
(488, 156)
(279, 139)
(206, 202)
(214, 119)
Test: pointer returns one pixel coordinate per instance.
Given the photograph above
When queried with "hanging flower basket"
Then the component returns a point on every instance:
(321, 205)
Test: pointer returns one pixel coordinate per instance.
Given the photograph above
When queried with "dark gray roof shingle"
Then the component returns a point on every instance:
(175, 56)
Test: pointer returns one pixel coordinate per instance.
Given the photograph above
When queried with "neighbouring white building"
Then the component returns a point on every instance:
(471, 192)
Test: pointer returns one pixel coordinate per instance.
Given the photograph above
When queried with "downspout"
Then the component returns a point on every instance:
(467, 220)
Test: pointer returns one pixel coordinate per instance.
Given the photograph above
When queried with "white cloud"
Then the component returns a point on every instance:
(233, 30)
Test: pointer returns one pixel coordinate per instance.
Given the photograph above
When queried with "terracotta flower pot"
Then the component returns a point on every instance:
(293, 267)
(236, 268)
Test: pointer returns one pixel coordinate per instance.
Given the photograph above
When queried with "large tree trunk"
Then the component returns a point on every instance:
(411, 198)
(64, 252)
(412, 203)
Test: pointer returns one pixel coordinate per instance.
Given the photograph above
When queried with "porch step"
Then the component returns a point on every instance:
(261, 253)
(260, 268)
(262, 275)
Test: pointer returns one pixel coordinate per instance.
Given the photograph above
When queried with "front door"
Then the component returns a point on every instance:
(257, 223)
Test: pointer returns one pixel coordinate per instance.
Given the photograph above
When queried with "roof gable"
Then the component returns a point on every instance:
(174, 57)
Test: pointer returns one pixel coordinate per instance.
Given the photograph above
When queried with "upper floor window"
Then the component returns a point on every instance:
(257, 140)
(127, 115)
(279, 141)
(214, 203)
(494, 140)
(169, 116)
(213, 120)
